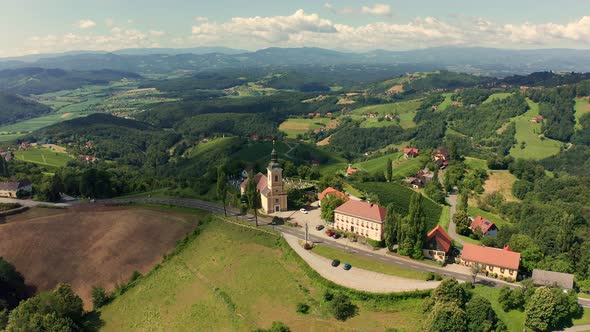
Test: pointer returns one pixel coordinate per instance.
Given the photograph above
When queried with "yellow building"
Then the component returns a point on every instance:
(361, 218)
(501, 262)
(273, 196)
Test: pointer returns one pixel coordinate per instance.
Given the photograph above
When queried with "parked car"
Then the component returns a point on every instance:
(319, 227)
(304, 211)
(347, 266)
(336, 236)
(335, 263)
(331, 233)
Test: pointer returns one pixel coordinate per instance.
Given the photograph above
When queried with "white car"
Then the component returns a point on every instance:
(304, 211)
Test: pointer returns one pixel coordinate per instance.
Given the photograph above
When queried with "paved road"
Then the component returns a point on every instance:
(385, 259)
(28, 202)
(452, 198)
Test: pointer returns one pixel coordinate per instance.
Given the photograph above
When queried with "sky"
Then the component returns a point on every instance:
(53, 26)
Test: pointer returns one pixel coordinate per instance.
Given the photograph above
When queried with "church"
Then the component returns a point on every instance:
(273, 196)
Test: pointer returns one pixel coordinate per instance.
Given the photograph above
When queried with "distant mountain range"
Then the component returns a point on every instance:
(497, 62)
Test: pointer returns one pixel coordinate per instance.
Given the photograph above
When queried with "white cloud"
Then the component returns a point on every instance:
(157, 33)
(201, 19)
(378, 9)
(85, 24)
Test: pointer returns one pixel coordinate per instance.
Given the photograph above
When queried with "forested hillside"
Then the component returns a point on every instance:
(28, 81)
(14, 108)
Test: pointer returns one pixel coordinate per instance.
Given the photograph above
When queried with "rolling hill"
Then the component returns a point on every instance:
(14, 108)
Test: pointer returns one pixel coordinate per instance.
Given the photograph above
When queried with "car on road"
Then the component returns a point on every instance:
(336, 236)
(347, 267)
(331, 233)
(304, 211)
(319, 227)
(335, 263)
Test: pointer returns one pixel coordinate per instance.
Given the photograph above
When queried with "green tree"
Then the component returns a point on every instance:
(434, 190)
(446, 317)
(3, 167)
(51, 189)
(463, 200)
(461, 220)
(329, 204)
(342, 308)
(276, 327)
(480, 315)
(389, 170)
(330, 181)
(12, 286)
(565, 237)
(540, 312)
(253, 196)
(450, 291)
(222, 188)
(392, 224)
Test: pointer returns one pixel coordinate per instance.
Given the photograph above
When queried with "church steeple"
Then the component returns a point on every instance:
(274, 159)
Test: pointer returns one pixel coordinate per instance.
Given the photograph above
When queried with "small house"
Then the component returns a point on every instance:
(411, 153)
(437, 245)
(331, 192)
(486, 227)
(537, 119)
(503, 262)
(550, 278)
(11, 189)
(350, 171)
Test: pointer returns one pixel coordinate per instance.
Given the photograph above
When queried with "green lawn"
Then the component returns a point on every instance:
(402, 167)
(475, 163)
(499, 95)
(445, 217)
(232, 278)
(212, 144)
(582, 107)
(405, 109)
(528, 132)
(367, 263)
(43, 156)
(378, 164)
(446, 103)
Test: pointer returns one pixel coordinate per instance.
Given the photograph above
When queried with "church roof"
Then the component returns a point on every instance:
(261, 182)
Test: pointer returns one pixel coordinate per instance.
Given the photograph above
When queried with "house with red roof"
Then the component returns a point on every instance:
(503, 262)
(361, 218)
(537, 119)
(350, 171)
(331, 192)
(411, 153)
(437, 245)
(486, 227)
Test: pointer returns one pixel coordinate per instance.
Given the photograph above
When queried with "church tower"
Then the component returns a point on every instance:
(276, 199)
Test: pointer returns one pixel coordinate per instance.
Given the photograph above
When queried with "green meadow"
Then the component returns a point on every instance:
(43, 156)
(582, 107)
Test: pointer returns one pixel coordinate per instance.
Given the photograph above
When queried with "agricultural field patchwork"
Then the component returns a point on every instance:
(529, 143)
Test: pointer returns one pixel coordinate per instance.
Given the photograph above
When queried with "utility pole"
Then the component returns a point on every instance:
(306, 233)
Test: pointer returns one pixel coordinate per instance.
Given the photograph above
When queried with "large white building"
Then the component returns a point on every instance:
(361, 218)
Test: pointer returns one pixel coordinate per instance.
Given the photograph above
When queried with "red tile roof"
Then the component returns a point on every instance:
(351, 171)
(261, 182)
(363, 210)
(331, 191)
(491, 256)
(442, 238)
(482, 223)
(411, 151)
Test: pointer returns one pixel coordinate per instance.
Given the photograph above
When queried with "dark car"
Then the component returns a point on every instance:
(335, 263)
(319, 227)
(347, 266)
(336, 236)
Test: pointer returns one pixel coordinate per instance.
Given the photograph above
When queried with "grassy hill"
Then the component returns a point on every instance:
(14, 108)
(528, 132)
(582, 107)
(43, 156)
(228, 278)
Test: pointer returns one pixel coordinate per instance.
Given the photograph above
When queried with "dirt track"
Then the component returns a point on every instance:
(89, 245)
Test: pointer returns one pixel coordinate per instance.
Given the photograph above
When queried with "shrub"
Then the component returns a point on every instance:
(276, 327)
(302, 308)
(328, 296)
(99, 297)
(376, 244)
(342, 308)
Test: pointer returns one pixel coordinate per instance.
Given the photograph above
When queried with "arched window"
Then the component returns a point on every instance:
(276, 178)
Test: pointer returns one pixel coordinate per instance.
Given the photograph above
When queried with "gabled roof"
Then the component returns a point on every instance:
(350, 170)
(548, 278)
(491, 256)
(442, 238)
(261, 182)
(483, 224)
(331, 191)
(15, 186)
(411, 151)
(363, 210)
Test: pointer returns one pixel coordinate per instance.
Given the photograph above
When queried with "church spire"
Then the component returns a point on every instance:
(274, 158)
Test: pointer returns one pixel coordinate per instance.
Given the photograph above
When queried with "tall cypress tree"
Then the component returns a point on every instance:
(565, 237)
(3, 167)
(389, 171)
(253, 196)
(392, 225)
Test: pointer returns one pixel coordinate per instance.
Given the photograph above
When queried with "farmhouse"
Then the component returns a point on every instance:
(503, 262)
(437, 245)
(331, 192)
(10, 189)
(273, 195)
(486, 227)
(550, 278)
(361, 218)
(411, 153)
(441, 158)
(421, 179)
(537, 119)
(350, 171)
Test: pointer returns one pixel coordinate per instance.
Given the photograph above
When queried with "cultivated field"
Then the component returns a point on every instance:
(43, 156)
(235, 279)
(528, 132)
(90, 245)
(582, 107)
(446, 103)
(295, 126)
(499, 95)
(502, 182)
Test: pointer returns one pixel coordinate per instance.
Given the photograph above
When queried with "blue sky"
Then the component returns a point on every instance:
(41, 26)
